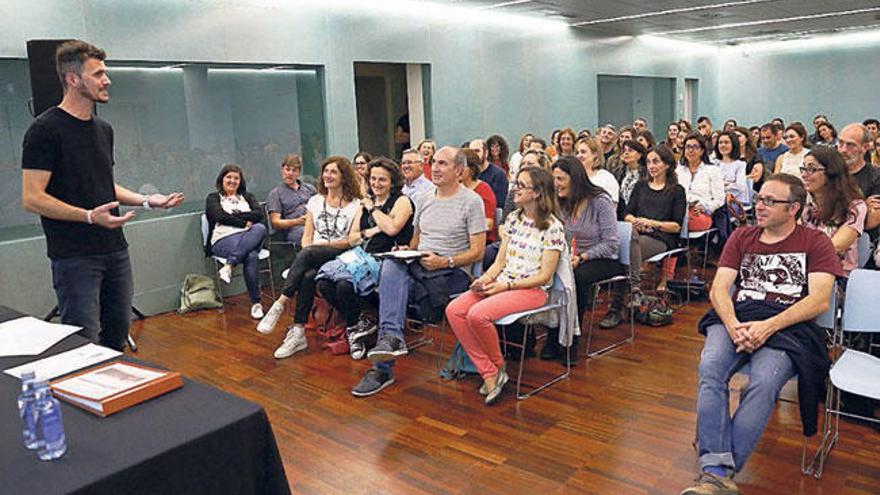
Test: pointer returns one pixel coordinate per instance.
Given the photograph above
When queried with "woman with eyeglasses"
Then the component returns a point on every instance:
(631, 170)
(590, 219)
(519, 279)
(235, 231)
(499, 152)
(383, 221)
(835, 204)
(360, 162)
(701, 181)
(655, 210)
(790, 162)
(329, 216)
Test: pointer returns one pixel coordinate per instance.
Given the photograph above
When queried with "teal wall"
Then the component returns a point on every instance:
(487, 75)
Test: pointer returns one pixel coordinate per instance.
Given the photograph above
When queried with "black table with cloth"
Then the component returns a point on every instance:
(196, 439)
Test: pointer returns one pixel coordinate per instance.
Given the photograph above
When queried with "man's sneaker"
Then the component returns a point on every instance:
(267, 324)
(363, 329)
(294, 342)
(257, 311)
(710, 484)
(612, 319)
(225, 273)
(372, 382)
(357, 350)
(387, 348)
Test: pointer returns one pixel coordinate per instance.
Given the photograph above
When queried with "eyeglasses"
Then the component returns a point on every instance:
(811, 170)
(693, 147)
(768, 201)
(522, 187)
(360, 163)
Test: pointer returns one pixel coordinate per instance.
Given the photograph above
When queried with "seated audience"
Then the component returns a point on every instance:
(360, 162)
(770, 148)
(490, 174)
(733, 175)
(450, 227)
(702, 181)
(607, 138)
(671, 140)
(591, 222)
(411, 166)
(235, 231)
(783, 274)
(566, 143)
(587, 152)
(749, 154)
(790, 162)
(518, 280)
(827, 135)
(499, 152)
(835, 204)
(383, 222)
(656, 209)
(615, 161)
(646, 139)
(329, 215)
(469, 180)
(426, 150)
(525, 143)
(286, 203)
(632, 169)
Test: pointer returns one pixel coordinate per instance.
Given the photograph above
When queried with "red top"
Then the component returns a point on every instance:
(488, 197)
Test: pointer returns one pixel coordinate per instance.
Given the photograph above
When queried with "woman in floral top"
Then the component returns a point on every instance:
(532, 240)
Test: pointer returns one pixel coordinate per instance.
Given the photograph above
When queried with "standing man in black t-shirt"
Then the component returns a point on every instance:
(67, 178)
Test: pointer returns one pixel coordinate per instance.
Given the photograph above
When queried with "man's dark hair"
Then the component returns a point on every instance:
(540, 141)
(71, 55)
(779, 122)
(868, 122)
(796, 192)
(703, 118)
(771, 126)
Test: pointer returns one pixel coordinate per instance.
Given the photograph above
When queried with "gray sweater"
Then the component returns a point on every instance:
(595, 229)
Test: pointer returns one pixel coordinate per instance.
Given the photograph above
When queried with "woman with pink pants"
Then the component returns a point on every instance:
(518, 280)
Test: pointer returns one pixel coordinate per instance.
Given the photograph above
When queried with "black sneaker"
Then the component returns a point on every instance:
(612, 319)
(363, 328)
(387, 348)
(372, 383)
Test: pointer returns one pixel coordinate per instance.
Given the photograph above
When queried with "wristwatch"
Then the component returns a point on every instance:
(450, 262)
(146, 202)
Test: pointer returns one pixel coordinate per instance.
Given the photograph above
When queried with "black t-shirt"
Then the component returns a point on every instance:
(79, 154)
(668, 205)
(382, 242)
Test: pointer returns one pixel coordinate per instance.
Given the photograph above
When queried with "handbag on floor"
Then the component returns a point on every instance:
(198, 292)
(459, 365)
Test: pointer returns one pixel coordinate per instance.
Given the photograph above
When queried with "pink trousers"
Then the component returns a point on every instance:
(472, 317)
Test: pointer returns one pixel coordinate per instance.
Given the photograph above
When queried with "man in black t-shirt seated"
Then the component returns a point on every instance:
(67, 178)
(784, 275)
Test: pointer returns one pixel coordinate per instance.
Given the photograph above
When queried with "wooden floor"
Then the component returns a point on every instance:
(622, 424)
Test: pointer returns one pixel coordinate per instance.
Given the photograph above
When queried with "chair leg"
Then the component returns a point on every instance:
(216, 276)
(535, 390)
(613, 345)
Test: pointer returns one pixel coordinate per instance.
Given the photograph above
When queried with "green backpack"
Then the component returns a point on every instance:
(198, 292)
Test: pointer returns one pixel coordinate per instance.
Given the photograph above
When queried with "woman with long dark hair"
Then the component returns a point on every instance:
(591, 222)
(519, 279)
(748, 153)
(499, 152)
(631, 170)
(329, 215)
(835, 204)
(655, 210)
(701, 181)
(235, 231)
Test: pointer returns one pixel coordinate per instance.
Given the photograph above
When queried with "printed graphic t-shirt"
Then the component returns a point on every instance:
(778, 272)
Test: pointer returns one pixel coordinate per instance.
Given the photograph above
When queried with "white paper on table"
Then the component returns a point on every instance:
(28, 336)
(403, 254)
(65, 362)
(100, 384)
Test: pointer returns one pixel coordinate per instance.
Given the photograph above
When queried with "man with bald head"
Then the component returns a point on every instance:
(450, 232)
(853, 142)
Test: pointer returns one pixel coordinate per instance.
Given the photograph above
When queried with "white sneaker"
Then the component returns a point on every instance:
(257, 311)
(226, 274)
(294, 342)
(267, 324)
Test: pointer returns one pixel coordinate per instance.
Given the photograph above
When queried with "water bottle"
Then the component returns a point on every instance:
(26, 409)
(49, 426)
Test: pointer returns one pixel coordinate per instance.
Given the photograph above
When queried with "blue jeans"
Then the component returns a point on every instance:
(395, 283)
(244, 247)
(95, 292)
(722, 440)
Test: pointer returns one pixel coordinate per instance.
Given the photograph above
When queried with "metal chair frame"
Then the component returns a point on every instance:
(624, 232)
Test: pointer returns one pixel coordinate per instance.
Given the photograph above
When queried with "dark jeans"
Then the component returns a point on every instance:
(95, 292)
(244, 248)
(589, 272)
(301, 278)
(342, 297)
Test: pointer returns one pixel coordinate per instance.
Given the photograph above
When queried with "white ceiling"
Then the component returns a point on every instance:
(703, 21)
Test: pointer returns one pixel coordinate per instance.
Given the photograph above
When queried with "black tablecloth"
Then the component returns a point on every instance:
(196, 439)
